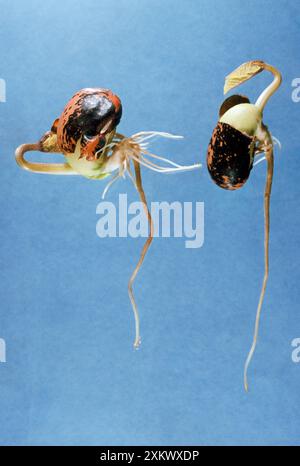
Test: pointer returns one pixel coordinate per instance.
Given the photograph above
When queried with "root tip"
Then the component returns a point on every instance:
(137, 344)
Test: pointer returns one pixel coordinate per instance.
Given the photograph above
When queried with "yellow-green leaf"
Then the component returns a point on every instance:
(242, 74)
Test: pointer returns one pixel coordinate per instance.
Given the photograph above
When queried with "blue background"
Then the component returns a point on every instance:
(72, 376)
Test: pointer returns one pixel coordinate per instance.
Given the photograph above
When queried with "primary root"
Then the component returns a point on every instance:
(146, 246)
(135, 149)
(268, 188)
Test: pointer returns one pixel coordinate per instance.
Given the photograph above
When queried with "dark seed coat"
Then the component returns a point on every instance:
(232, 101)
(230, 157)
(91, 114)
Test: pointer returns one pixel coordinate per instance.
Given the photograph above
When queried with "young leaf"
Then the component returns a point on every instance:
(242, 74)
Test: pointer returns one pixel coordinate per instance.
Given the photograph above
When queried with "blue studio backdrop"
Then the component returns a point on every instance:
(71, 375)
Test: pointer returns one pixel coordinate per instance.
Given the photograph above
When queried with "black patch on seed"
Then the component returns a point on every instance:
(229, 157)
(93, 112)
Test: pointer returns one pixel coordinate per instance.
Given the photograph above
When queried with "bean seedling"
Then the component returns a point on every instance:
(238, 138)
(85, 134)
